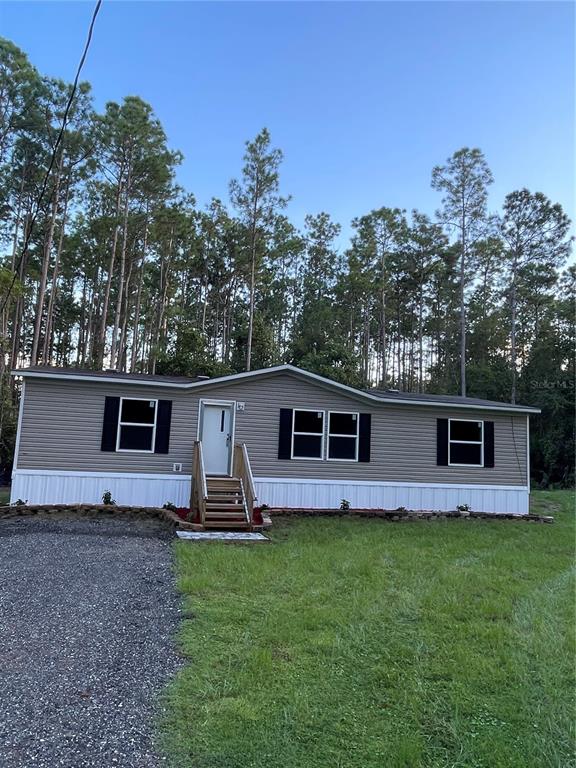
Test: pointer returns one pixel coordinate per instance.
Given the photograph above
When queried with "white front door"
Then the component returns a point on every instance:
(216, 423)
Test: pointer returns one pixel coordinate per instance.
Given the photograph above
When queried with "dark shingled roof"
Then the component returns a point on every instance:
(388, 394)
(383, 394)
(111, 374)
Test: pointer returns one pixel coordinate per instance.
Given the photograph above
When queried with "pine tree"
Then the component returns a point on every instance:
(535, 233)
(257, 200)
(464, 181)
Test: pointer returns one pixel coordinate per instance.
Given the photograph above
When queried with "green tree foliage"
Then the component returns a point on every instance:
(313, 345)
(535, 234)
(124, 270)
(257, 202)
(464, 181)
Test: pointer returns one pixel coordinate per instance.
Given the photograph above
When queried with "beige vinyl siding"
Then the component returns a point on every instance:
(62, 427)
(403, 438)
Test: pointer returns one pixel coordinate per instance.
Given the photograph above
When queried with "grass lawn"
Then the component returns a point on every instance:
(353, 643)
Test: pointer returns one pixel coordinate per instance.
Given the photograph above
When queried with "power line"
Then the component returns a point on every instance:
(53, 157)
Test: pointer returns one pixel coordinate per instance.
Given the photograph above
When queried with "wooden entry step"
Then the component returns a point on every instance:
(225, 503)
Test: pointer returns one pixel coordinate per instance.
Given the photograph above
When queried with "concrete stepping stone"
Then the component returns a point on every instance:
(222, 536)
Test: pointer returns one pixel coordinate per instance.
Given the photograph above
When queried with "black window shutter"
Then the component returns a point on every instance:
(488, 443)
(442, 442)
(364, 429)
(110, 424)
(285, 434)
(163, 419)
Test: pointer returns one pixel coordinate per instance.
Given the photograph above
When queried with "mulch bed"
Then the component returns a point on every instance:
(407, 515)
(174, 519)
(90, 510)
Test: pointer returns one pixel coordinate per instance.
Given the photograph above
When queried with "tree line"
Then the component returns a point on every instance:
(118, 267)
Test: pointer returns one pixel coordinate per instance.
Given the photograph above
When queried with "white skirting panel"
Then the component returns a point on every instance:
(154, 490)
(328, 494)
(127, 488)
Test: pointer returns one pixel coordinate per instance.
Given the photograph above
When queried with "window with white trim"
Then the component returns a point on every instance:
(343, 430)
(136, 425)
(465, 443)
(307, 434)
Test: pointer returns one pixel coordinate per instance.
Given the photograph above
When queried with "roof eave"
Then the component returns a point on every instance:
(351, 391)
(394, 401)
(95, 379)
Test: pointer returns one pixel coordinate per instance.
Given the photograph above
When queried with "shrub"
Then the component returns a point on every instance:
(107, 498)
(344, 505)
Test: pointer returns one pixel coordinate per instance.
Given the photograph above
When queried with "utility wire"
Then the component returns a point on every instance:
(52, 158)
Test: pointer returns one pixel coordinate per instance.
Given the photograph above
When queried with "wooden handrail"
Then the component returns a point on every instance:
(249, 475)
(243, 470)
(202, 470)
(199, 486)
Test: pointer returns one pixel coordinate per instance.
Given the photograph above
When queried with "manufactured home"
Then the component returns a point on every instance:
(285, 437)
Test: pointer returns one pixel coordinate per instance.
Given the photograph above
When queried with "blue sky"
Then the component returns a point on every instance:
(363, 98)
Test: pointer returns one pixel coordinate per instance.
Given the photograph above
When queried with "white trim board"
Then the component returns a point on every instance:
(19, 427)
(89, 473)
(527, 451)
(224, 380)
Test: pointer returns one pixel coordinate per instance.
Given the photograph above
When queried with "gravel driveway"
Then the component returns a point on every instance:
(88, 613)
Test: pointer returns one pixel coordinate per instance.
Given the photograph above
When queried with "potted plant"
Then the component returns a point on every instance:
(257, 518)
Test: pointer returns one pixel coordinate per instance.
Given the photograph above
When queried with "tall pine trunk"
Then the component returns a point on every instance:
(48, 334)
(513, 331)
(135, 339)
(104, 320)
(114, 352)
(463, 307)
(46, 264)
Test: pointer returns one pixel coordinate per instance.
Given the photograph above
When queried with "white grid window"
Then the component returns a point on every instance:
(307, 434)
(343, 431)
(137, 425)
(465, 443)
